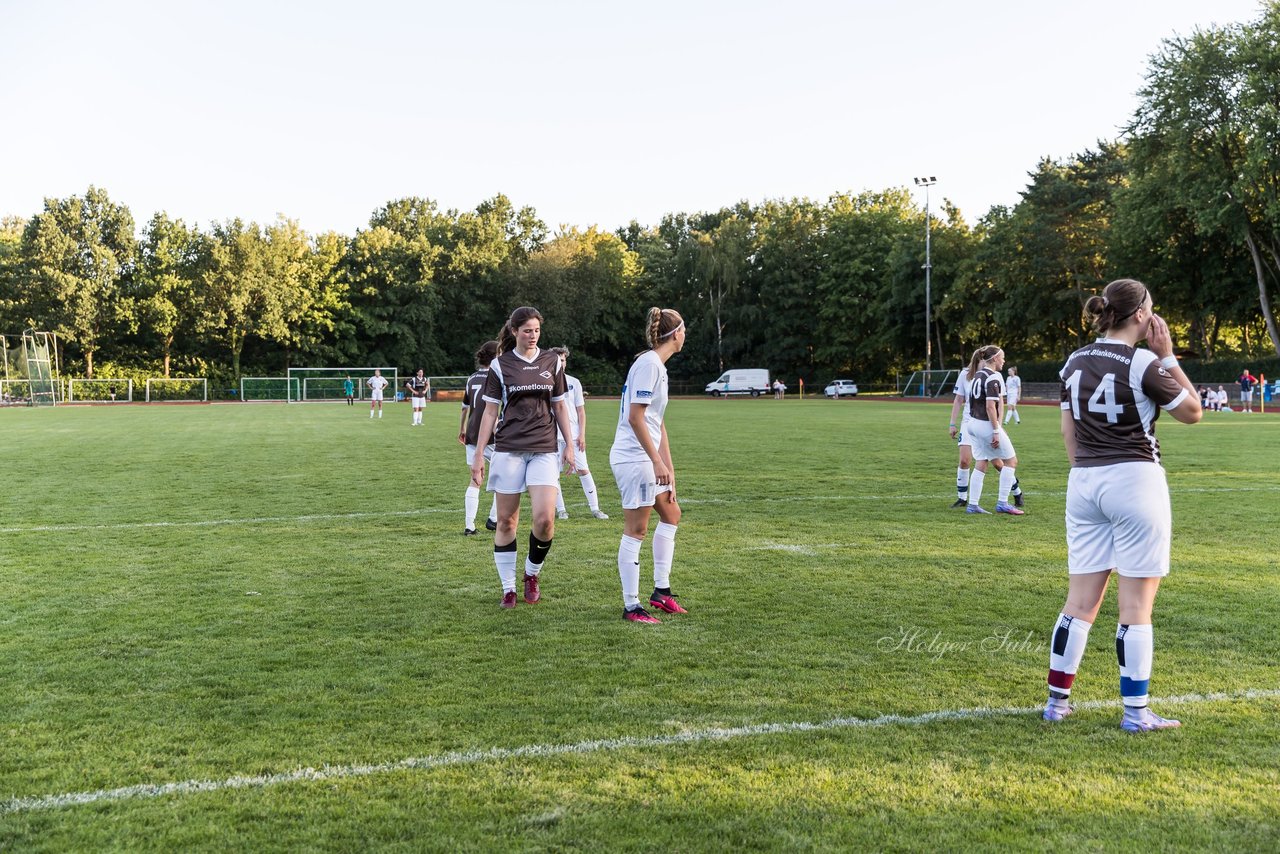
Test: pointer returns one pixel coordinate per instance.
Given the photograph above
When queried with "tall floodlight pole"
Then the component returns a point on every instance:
(928, 270)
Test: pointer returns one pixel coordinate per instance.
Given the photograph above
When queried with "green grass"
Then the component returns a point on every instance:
(200, 593)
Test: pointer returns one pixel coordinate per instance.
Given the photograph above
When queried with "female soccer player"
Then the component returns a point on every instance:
(1118, 516)
(469, 432)
(1013, 391)
(642, 467)
(419, 389)
(988, 441)
(578, 427)
(376, 384)
(529, 386)
(960, 416)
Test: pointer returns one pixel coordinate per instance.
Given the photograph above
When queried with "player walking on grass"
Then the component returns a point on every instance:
(960, 415)
(1118, 515)
(376, 384)
(1012, 391)
(418, 389)
(469, 431)
(578, 427)
(528, 385)
(642, 467)
(989, 442)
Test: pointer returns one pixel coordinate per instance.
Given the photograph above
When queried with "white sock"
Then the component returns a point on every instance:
(1017, 419)
(664, 549)
(1007, 416)
(472, 505)
(589, 490)
(975, 486)
(506, 563)
(379, 413)
(1135, 647)
(493, 508)
(560, 500)
(629, 570)
(1007, 478)
(962, 482)
(1070, 637)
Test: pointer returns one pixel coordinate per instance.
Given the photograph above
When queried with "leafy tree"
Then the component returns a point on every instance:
(1211, 110)
(167, 280)
(81, 253)
(238, 296)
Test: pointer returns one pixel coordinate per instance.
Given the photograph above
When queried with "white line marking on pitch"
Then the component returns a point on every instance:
(538, 751)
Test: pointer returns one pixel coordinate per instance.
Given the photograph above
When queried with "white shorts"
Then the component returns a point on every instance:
(1118, 517)
(376, 394)
(471, 454)
(1246, 396)
(1011, 400)
(579, 460)
(419, 402)
(980, 441)
(637, 484)
(512, 474)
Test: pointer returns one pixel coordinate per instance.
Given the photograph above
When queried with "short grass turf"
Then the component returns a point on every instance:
(211, 592)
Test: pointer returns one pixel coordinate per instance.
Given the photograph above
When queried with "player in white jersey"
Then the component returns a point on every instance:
(987, 440)
(1012, 392)
(959, 420)
(376, 384)
(642, 466)
(1118, 515)
(578, 427)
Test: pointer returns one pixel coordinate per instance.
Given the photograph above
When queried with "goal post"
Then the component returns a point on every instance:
(107, 390)
(933, 383)
(177, 390)
(268, 388)
(329, 384)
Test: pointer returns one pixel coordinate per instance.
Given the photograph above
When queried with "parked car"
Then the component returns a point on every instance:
(752, 381)
(841, 388)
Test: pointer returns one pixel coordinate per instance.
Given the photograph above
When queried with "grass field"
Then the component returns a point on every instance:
(197, 602)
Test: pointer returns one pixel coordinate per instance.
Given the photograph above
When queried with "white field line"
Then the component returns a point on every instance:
(540, 751)
(426, 511)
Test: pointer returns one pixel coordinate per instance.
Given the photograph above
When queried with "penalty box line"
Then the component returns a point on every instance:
(539, 751)
(427, 511)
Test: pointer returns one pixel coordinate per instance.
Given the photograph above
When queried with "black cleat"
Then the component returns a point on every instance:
(1017, 500)
(961, 502)
(469, 532)
(491, 524)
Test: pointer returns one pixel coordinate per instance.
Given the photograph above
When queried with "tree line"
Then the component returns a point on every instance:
(1187, 199)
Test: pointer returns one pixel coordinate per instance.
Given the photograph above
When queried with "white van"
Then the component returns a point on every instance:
(752, 381)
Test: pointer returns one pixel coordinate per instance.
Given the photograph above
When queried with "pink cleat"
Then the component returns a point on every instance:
(1006, 507)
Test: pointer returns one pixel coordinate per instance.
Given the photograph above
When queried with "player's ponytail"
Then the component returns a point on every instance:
(507, 337)
(981, 355)
(1116, 304)
(487, 353)
(661, 324)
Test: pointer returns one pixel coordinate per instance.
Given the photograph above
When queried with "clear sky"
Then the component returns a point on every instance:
(592, 112)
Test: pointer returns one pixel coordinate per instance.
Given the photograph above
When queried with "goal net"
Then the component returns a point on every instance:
(268, 388)
(182, 390)
(321, 384)
(929, 383)
(80, 390)
(447, 388)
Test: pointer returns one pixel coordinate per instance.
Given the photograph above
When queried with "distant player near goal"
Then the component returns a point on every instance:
(418, 389)
(376, 384)
(642, 467)
(578, 427)
(469, 430)
(349, 389)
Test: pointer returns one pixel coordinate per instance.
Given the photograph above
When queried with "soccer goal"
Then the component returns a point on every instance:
(181, 390)
(447, 388)
(81, 390)
(268, 388)
(321, 384)
(929, 383)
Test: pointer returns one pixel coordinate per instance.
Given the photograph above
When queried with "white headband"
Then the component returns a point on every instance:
(673, 331)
